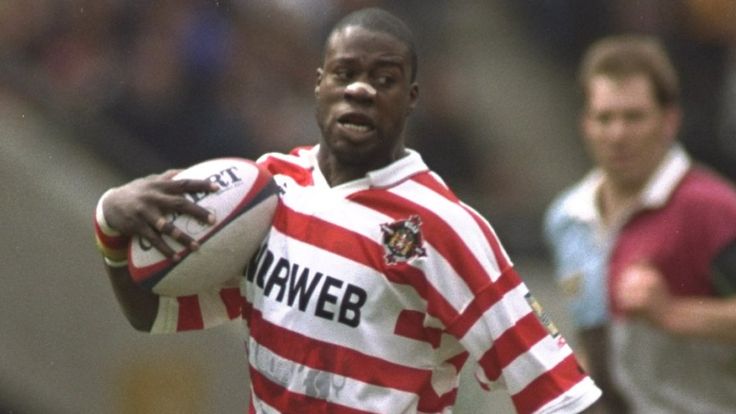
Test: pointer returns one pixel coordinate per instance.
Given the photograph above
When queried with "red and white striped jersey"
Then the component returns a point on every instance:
(368, 297)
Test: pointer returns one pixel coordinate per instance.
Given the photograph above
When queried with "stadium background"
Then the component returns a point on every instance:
(93, 93)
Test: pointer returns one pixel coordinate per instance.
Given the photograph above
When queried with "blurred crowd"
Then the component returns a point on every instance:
(193, 79)
(700, 35)
(167, 83)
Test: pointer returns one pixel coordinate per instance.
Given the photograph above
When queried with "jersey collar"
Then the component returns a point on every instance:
(387, 176)
(582, 202)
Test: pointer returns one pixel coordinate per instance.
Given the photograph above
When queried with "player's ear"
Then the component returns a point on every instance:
(413, 97)
(673, 121)
(319, 81)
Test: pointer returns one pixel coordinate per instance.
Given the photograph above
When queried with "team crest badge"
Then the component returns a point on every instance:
(402, 240)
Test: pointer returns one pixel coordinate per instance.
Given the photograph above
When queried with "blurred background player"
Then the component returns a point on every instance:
(635, 240)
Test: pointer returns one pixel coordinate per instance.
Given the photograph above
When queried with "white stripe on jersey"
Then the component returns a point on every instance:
(505, 254)
(327, 386)
(457, 218)
(446, 280)
(450, 284)
(167, 316)
(542, 357)
(496, 320)
(213, 312)
(376, 321)
(260, 406)
(574, 400)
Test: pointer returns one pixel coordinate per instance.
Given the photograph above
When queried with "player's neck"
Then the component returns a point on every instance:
(615, 200)
(338, 172)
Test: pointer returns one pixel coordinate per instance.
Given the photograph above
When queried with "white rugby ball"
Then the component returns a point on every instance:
(243, 208)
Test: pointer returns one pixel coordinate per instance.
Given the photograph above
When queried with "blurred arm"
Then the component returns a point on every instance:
(643, 293)
(709, 318)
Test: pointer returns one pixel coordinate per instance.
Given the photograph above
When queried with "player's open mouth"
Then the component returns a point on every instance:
(356, 127)
(356, 122)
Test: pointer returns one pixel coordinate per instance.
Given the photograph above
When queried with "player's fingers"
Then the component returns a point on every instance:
(169, 174)
(185, 206)
(189, 185)
(163, 225)
(155, 239)
(167, 227)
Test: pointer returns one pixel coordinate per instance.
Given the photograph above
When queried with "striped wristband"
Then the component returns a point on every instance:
(112, 244)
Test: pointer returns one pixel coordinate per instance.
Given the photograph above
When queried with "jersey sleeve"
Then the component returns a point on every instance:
(579, 261)
(472, 288)
(519, 348)
(516, 345)
(197, 312)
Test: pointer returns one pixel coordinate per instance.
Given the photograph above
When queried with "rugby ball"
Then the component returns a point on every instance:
(243, 208)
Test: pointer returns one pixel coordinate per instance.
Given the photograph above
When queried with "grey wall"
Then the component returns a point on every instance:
(64, 347)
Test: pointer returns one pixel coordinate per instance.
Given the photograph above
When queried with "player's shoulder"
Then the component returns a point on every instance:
(425, 192)
(297, 156)
(574, 203)
(297, 163)
(703, 187)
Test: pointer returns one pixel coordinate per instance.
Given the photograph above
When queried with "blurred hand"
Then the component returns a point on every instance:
(642, 292)
(140, 208)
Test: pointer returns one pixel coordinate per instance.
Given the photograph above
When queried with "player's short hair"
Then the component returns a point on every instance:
(623, 56)
(379, 20)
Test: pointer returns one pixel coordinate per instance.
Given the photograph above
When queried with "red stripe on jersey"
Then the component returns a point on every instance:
(435, 231)
(373, 370)
(233, 302)
(410, 324)
(437, 304)
(429, 181)
(489, 296)
(511, 344)
(362, 367)
(247, 309)
(356, 247)
(549, 386)
(296, 150)
(291, 402)
(491, 238)
(111, 242)
(190, 313)
(274, 165)
(459, 360)
(437, 405)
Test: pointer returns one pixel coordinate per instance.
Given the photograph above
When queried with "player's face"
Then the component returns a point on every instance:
(625, 128)
(364, 94)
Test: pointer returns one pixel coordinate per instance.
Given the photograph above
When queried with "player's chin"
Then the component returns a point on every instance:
(351, 151)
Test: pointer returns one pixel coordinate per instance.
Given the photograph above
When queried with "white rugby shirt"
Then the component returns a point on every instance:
(368, 297)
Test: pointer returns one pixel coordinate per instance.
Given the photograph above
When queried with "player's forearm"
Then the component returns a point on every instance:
(139, 306)
(707, 318)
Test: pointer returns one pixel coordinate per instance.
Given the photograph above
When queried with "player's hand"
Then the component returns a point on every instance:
(140, 208)
(642, 291)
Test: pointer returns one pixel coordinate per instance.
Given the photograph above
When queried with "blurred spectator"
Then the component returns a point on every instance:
(697, 33)
(178, 81)
(186, 79)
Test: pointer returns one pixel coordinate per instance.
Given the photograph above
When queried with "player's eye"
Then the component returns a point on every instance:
(343, 74)
(633, 117)
(385, 80)
(603, 118)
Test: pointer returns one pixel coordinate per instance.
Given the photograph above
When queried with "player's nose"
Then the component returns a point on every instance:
(360, 91)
